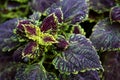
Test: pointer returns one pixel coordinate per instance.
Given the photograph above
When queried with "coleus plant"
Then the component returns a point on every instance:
(50, 48)
(106, 39)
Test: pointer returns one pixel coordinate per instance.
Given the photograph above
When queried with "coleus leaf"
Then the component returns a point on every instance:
(101, 6)
(62, 43)
(88, 75)
(77, 29)
(17, 55)
(34, 72)
(73, 10)
(79, 56)
(105, 35)
(30, 50)
(7, 42)
(42, 5)
(33, 32)
(9, 70)
(58, 12)
(115, 14)
(49, 23)
(20, 29)
(111, 64)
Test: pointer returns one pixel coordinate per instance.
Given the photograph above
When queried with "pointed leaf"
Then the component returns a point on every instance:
(21, 24)
(115, 14)
(79, 56)
(101, 6)
(49, 23)
(30, 50)
(77, 29)
(47, 39)
(6, 34)
(73, 10)
(58, 12)
(106, 35)
(62, 43)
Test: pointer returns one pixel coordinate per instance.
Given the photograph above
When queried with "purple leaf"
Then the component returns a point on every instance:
(29, 50)
(62, 43)
(58, 12)
(49, 23)
(42, 5)
(77, 29)
(6, 35)
(73, 10)
(111, 64)
(115, 14)
(32, 72)
(101, 6)
(49, 39)
(106, 35)
(25, 25)
(88, 75)
(79, 56)
(17, 55)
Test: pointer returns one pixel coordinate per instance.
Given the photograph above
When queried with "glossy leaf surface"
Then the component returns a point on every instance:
(79, 56)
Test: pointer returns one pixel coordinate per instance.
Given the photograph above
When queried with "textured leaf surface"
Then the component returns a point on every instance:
(101, 6)
(115, 14)
(79, 56)
(89, 75)
(106, 35)
(6, 34)
(34, 72)
(42, 5)
(9, 70)
(73, 10)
